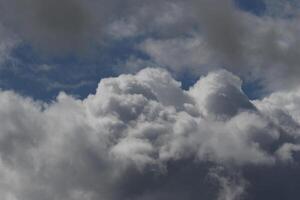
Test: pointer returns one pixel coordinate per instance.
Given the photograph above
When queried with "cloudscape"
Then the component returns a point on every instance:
(149, 99)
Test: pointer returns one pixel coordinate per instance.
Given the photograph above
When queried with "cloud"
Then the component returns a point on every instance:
(7, 43)
(232, 186)
(56, 25)
(193, 36)
(64, 26)
(140, 137)
(263, 48)
(222, 26)
(181, 54)
(286, 101)
(279, 8)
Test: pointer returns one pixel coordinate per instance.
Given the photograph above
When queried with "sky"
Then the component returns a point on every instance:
(149, 99)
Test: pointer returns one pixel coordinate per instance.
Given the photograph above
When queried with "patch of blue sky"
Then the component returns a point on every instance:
(273, 8)
(187, 79)
(257, 7)
(254, 89)
(42, 77)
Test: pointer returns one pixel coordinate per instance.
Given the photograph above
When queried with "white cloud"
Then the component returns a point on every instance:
(287, 101)
(232, 187)
(72, 149)
(285, 153)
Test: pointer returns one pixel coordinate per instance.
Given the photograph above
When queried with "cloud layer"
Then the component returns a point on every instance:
(196, 36)
(142, 137)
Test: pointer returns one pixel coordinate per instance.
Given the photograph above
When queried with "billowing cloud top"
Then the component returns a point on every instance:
(142, 137)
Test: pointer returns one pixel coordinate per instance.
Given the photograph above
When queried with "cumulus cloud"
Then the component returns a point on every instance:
(141, 137)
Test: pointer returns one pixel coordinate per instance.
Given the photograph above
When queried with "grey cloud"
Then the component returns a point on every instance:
(56, 25)
(260, 48)
(222, 26)
(280, 8)
(7, 42)
(76, 25)
(197, 36)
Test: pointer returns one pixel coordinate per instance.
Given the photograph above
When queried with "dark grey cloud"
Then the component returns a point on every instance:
(63, 26)
(221, 24)
(57, 25)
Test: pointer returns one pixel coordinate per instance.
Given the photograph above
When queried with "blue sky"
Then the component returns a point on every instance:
(257, 7)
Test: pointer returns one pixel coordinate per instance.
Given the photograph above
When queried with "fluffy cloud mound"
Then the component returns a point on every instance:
(143, 137)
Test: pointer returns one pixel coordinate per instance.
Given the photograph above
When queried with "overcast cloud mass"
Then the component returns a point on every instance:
(196, 99)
